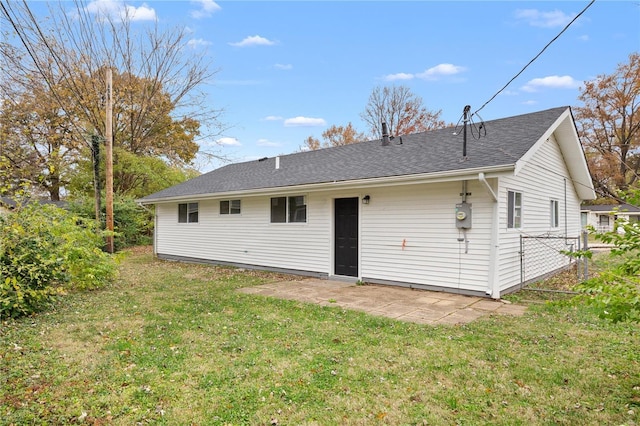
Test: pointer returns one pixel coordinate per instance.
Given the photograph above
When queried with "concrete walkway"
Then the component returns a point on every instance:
(405, 304)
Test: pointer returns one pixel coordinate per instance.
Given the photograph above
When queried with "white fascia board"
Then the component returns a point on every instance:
(451, 176)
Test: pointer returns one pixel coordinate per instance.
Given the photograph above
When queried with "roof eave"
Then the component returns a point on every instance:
(437, 177)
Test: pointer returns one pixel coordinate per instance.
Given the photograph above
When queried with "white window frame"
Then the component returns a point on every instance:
(231, 209)
(190, 209)
(554, 213)
(289, 216)
(514, 210)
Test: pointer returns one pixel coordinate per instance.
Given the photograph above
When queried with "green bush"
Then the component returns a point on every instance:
(132, 224)
(615, 293)
(44, 252)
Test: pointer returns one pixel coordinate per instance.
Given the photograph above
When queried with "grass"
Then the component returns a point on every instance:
(175, 344)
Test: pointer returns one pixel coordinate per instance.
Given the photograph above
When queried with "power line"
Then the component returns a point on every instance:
(536, 57)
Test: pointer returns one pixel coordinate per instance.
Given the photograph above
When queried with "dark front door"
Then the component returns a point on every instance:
(346, 236)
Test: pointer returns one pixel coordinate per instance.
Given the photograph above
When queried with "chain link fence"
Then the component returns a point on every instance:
(542, 256)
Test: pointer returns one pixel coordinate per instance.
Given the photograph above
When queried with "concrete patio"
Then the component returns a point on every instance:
(405, 304)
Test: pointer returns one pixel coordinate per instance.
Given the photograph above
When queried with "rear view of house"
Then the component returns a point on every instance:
(410, 210)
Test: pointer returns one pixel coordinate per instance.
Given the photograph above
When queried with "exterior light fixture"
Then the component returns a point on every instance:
(366, 199)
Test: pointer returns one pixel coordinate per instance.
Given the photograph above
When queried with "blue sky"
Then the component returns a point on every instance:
(290, 69)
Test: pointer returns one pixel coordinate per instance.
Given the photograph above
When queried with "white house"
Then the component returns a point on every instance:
(602, 217)
(407, 211)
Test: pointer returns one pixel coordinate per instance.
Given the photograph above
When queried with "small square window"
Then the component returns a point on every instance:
(188, 213)
(230, 207)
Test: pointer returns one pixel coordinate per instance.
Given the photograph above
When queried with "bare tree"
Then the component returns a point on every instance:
(160, 108)
(402, 110)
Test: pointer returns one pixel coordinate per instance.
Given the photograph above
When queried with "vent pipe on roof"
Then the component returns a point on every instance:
(385, 135)
(277, 163)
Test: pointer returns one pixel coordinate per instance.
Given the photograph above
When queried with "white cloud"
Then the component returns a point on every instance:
(207, 8)
(267, 142)
(304, 122)
(552, 82)
(142, 13)
(255, 40)
(398, 76)
(198, 42)
(583, 37)
(441, 70)
(537, 18)
(272, 118)
(228, 141)
(285, 67)
(117, 8)
(530, 102)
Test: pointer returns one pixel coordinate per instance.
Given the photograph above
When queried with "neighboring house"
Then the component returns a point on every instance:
(602, 217)
(407, 211)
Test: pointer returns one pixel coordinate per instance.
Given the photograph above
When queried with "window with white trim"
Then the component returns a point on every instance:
(289, 209)
(230, 207)
(555, 213)
(188, 213)
(514, 207)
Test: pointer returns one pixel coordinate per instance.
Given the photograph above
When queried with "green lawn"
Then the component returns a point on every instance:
(174, 344)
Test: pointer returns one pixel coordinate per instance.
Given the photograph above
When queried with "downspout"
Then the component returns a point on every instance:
(494, 252)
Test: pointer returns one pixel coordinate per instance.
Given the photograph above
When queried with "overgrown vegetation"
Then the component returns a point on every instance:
(133, 224)
(172, 343)
(615, 292)
(44, 252)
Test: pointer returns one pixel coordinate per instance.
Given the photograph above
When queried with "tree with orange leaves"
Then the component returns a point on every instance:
(609, 126)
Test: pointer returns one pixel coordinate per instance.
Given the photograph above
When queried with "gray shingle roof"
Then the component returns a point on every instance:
(622, 208)
(506, 141)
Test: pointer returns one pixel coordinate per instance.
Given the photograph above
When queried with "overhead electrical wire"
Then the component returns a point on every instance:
(535, 57)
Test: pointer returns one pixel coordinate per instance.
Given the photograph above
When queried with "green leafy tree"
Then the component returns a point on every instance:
(615, 293)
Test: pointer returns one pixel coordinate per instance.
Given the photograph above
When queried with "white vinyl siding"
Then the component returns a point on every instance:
(543, 176)
(409, 235)
(250, 238)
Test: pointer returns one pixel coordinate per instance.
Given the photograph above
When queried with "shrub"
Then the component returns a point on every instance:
(615, 293)
(133, 225)
(45, 251)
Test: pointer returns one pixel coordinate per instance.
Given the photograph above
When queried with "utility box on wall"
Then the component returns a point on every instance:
(463, 216)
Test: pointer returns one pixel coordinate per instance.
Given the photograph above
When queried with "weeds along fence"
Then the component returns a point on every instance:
(542, 256)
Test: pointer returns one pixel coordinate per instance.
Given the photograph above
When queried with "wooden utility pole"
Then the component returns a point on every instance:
(95, 151)
(109, 162)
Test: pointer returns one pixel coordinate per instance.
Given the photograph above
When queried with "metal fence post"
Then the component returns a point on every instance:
(585, 245)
